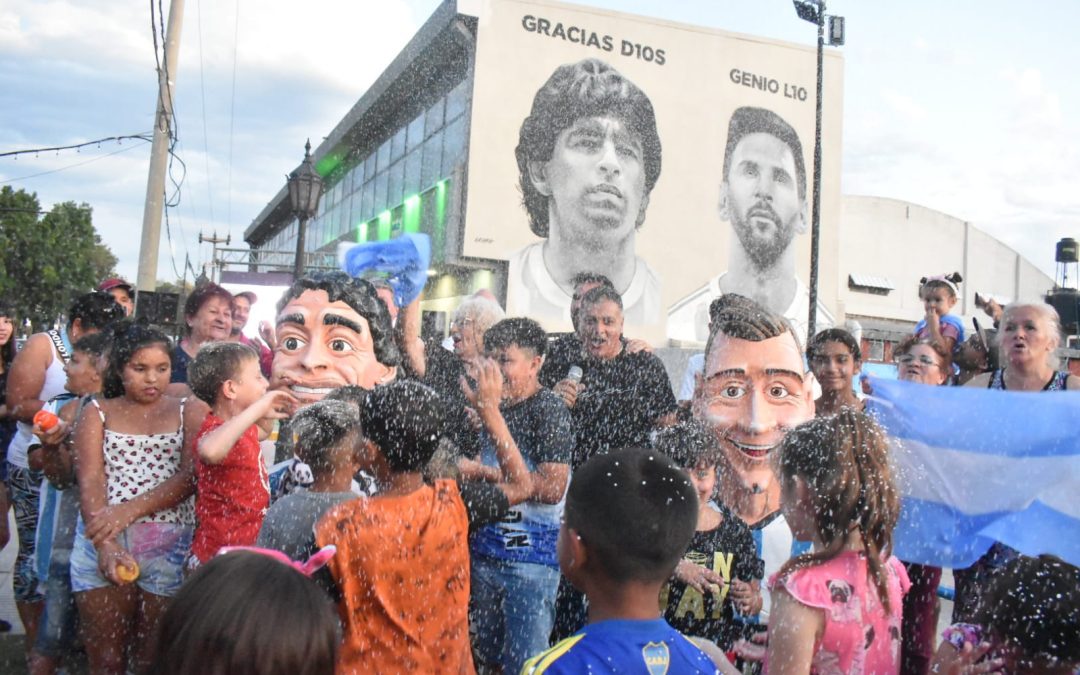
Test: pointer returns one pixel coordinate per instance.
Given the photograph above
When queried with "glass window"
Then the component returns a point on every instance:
(397, 145)
(415, 133)
(369, 167)
(384, 156)
(453, 145)
(379, 201)
(412, 172)
(396, 184)
(433, 118)
(456, 100)
(431, 165)
(367, 203)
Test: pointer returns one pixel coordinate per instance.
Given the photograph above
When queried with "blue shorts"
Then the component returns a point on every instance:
(159, 548)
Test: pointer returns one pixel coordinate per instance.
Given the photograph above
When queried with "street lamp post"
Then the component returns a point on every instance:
(305, 189)
(814, 12)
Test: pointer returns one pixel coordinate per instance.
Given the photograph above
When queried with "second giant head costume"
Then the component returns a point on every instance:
(753, 390)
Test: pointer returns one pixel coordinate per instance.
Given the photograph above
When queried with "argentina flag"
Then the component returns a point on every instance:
(976, 466)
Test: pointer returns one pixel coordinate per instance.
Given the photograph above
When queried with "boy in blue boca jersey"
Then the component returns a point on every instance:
(515, 571)
(629, 519)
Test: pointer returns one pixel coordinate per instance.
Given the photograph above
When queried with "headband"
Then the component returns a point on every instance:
(313, 564)
(941, 278)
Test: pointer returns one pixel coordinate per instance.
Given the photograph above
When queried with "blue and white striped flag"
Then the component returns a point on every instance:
(976, 466)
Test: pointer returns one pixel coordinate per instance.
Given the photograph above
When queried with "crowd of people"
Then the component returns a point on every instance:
(342, 495)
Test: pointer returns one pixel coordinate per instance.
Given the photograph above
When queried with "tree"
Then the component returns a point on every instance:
(46, 261)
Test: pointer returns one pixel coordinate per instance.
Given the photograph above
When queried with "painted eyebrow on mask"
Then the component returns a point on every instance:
(338, 320)
(296, 318)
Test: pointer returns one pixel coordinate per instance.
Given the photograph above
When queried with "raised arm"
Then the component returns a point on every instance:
(513, 476)
(408, 337)
(214, 447)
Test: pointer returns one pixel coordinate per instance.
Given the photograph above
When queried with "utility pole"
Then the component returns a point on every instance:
(215, 240)
(159, 153)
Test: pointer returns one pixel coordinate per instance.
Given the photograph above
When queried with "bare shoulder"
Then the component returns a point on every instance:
(1072, 383)
(982, 380)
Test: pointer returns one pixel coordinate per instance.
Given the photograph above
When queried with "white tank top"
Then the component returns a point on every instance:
(55, 379)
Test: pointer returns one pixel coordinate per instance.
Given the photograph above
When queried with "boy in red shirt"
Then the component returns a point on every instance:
(233, 491)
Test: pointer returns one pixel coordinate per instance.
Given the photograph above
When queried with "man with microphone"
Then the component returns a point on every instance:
(616, 398)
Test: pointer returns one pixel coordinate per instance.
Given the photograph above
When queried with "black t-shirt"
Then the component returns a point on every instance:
(729, 551)
(619, 403)
(562, 352)
(444, 371)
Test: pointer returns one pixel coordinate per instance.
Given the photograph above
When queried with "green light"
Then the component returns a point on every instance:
(383, 231)
(440, 204)
(361, 233)
(410, 217)
(327, 165)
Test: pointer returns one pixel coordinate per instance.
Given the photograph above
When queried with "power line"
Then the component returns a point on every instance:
(202, 100)
(145, 136)
(73, 166)
(232, 119)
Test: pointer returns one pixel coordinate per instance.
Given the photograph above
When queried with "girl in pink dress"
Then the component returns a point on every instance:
(837, 609)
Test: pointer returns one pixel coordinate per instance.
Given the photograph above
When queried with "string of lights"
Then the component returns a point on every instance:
(145, 136)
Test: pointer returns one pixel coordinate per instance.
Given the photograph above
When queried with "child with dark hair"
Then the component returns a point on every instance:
(59, 506)
(224, 622)
(720, 575)
(134, 464)
(838, 608)
(515, 569)
(233, 490)
(1028, 623)
(406, 545)
(328, 441)
(630, 516)
(939, 294)
(835, 358)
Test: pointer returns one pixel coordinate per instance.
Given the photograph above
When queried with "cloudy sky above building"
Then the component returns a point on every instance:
(960, 107)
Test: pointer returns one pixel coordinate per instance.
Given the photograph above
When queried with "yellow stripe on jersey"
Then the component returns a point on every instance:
(539, 663)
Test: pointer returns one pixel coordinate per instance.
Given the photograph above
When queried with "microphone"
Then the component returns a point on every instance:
(574, 374)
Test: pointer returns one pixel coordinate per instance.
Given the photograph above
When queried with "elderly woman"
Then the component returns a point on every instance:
(925, 362)
(1028, 337)
(208, 315)
(442, 370)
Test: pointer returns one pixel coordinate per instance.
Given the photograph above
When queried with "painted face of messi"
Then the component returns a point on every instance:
(751, 394)
(760, 198)
(324, 345)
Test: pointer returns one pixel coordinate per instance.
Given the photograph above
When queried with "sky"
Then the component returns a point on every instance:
(960, 106)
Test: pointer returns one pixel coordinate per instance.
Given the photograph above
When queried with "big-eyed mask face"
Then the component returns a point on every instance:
(751, 394)
(324, 345)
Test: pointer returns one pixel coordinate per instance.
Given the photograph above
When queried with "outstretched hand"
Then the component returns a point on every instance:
(277, 404)
(967, 661)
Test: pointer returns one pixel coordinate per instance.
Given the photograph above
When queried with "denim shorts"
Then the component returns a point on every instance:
(159, 548)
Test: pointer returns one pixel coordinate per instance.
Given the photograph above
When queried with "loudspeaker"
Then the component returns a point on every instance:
(157, 309)
(1067, 303)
